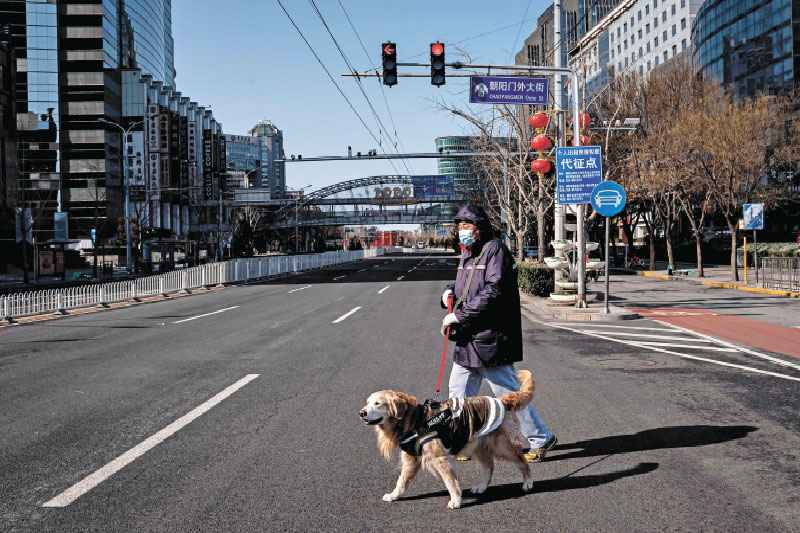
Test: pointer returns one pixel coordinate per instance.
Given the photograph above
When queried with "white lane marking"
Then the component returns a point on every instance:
(383, 289)
(682, 355)
(400, 278)
(92, 480)
(760, 355)
(300, 289)
(649, 336)
(346, 315)
(663, 330)
(689, 346)
(339, 277)
(363, 270)
(205, 314)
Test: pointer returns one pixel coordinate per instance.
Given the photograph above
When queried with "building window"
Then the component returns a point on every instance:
(683, 4)
(625, 27)
(641, 70)
(664, 35)
(656, 60)
(655, 4)
(655, 22)
(648, 64)
(640, 34)
(683, 24)
(647, 28)
(683, 44)
(666, 55)
(633, 38)
(646, 10)
(619, 49)
(618, 32)
(664, 16)
(625, 43)
(674, 50)
(639, 15)
(648, 47)
(640, 52)
(655, 42)
(673, 9)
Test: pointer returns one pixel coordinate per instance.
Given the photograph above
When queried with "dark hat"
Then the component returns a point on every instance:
(473, 213)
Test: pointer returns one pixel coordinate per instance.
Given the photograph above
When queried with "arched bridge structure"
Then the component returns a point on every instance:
(390, 199)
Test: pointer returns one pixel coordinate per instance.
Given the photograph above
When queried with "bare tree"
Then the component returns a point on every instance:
(505, 174)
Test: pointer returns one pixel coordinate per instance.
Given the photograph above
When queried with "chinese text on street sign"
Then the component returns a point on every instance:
(753, 216)
(578, 170)
(508, 90)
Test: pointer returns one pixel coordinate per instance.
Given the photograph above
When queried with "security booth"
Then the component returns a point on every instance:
(165, 255)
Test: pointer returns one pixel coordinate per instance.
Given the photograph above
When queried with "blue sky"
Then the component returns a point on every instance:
(247, 62)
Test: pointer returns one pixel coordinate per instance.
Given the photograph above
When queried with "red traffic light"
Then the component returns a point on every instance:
(389, 49)
(437, 49)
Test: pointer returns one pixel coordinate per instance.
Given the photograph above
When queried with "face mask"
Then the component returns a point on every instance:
(466, 237)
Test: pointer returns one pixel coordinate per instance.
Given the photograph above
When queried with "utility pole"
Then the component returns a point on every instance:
(559, 101)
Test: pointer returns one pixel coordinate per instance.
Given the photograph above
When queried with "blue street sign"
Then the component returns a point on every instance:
(753, 216)
(608, 198)
(508, 90)
(578, 170)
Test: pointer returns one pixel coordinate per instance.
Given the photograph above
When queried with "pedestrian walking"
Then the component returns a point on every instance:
(486, 324)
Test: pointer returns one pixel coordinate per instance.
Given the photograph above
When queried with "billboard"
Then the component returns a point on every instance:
(433, 187)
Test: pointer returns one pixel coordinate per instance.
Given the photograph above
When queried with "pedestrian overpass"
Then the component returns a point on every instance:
(374, 200)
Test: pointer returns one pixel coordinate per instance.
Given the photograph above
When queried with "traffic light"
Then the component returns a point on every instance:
(437, 64)
(389, 54)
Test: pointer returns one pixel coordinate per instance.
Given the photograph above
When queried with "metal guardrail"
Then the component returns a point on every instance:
(233, 271)
(780, 273)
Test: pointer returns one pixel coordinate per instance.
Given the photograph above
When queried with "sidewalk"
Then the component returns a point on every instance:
(760, 321)
(720, 277)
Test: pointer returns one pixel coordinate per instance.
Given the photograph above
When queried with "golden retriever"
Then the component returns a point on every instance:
(397, 414)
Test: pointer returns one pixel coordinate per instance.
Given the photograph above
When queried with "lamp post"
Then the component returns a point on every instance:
(125, 187)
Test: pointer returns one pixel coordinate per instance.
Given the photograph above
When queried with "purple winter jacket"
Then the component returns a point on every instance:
(490, 322)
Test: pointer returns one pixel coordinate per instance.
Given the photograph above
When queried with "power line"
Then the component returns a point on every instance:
(358, 81)
(378, 81)
(519, 29)
(330, 77)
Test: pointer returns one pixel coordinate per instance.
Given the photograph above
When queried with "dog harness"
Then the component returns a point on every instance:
(455, 422)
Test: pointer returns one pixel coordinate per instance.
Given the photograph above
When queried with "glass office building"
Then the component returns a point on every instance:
(749, 46)
(152, 37)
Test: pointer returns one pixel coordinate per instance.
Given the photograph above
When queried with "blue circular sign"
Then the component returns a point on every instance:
(608, 198)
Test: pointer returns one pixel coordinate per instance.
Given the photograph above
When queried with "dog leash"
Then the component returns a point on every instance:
(443, 363)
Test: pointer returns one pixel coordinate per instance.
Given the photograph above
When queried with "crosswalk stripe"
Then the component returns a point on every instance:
(649, 336)
(690, 346)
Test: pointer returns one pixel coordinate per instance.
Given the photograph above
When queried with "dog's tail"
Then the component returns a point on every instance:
(514, 401)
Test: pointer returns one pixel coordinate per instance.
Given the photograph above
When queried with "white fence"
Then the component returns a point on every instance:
(233, 271)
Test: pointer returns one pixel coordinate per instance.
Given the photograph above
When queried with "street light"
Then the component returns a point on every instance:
(126, 187)
(297, 219)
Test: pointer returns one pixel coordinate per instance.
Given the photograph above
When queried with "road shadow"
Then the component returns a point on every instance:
(510, 491)
(653, 439)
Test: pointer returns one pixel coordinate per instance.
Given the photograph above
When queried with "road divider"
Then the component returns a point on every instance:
(346, 315)
(205, 315)
(92, 480)
(300, 289)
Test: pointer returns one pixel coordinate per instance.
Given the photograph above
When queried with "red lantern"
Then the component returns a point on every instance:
(541, 143)
(584, 120)
(586, 140)
(538, 120)
(541, 166)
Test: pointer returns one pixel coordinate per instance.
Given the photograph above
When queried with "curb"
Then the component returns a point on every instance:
(722, 285)
(543, 312)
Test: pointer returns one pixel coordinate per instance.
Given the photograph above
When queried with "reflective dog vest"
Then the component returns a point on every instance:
(455, 422)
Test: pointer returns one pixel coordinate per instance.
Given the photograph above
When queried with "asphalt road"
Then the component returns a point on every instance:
(107, 424)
